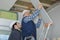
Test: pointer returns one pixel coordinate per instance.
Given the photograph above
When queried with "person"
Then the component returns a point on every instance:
(28, 26)
(16, 31)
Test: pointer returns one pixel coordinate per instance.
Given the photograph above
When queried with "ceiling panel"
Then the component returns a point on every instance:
(6, 4)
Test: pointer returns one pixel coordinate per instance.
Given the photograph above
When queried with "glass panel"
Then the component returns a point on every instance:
(4, 37)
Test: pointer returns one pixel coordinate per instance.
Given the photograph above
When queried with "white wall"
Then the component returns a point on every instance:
(6, 4)
(5, 23)
(54, 13)
(20, 16)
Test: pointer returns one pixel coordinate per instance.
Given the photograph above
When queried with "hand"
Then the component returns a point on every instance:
(40, 6)
(47, 24)
(45, 39)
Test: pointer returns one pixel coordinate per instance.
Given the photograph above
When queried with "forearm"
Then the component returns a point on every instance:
(38, 23)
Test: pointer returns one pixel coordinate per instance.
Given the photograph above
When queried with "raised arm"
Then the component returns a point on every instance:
(35, 13)
(39, 21)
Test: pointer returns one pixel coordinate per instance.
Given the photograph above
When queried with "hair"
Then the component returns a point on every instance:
(29, 12)
(14, 25)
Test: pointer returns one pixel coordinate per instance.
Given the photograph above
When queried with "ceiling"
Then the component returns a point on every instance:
(26, 4)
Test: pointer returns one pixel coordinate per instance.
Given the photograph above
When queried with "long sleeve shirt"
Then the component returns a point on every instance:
(35, 14)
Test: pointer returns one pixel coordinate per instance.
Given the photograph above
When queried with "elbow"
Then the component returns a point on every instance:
(38, 26)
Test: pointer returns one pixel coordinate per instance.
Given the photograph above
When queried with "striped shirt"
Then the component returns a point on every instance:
(35, 14)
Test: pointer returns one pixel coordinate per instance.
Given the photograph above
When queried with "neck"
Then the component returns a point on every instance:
(18, 29)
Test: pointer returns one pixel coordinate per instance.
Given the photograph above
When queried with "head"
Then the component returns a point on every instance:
(16, 25)
(26, 13)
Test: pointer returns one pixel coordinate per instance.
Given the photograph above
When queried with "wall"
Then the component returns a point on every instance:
(54, 13)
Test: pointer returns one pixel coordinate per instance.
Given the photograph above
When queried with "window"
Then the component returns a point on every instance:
(8, 15)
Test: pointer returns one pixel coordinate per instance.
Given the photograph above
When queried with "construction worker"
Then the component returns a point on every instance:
(28, 26)
(16, 31)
